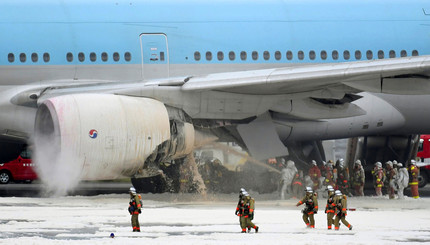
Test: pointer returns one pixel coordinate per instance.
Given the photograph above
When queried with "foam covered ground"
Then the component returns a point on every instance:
(193, 219)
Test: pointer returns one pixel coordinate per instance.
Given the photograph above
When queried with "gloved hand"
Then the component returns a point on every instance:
(236, 212)
(139, 210)
(315, 211)
(325, 211)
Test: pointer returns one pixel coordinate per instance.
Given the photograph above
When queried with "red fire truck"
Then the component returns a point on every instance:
(20, 169)
(424, 163)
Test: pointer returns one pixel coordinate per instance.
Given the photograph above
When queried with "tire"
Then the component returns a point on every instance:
(5, 177)
(422, 179)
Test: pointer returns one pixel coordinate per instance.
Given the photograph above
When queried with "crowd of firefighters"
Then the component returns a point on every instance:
(331, 178)
(393, 177)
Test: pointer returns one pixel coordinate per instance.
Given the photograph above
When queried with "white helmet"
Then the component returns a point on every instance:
(314, 162)
(338, 193)
(242, 190)
(309, 189)
(132, 190)
(358, 162)
(413, 162)
(378, 164)
(395, 162)
(399, 164)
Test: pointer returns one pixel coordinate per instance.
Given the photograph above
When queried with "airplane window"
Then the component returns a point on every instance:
(46, 57)
(301, 55)
(335, 55)
(209, 56)
(392, 54)
(358, 55)
(278, 55)
(93, 56)
(69, 57)
(403, 53)
(197, 55)
(266, 55)
(289, 55)
(243, 55)
(11, 57)
(312, 55)
(346, 55)
(381, 54)
(231, 55)
(34, 57)
(104, 56)
(323, 55)
(22, 57)
(414, 52)
(161, 56)
(127, 56)
(81, 57)
(220, 55)
(369, 54)
(116, 56)
(254, 55)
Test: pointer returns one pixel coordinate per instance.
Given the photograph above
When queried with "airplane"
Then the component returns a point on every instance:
(120, 86)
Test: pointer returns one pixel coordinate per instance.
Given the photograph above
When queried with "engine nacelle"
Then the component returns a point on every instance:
(103, 136)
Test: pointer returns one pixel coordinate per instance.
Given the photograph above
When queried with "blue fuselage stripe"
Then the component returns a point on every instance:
(60, 27)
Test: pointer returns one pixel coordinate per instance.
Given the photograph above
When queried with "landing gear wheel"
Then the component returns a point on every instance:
(4, 177)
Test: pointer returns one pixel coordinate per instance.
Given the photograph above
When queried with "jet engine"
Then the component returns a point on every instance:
(100, 136)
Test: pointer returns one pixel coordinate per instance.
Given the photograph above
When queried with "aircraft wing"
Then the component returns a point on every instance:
(394, 76)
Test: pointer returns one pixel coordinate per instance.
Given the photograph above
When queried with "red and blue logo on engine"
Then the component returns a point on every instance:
(93, 133)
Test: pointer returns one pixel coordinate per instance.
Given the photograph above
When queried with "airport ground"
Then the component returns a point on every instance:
(172, 218)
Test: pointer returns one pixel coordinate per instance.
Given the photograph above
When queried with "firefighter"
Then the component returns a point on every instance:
(342, 182)
(414, 173)
(391, 176)
(323, 168)
(402, 180)
(287, 175)
(378, 178)
(341, 207)
(297, 185)
(247, 213)
(134, 209)
(358, 178)
(329, 178)
(311, 208)
(315, 174)
(239, 207)
(330, 207)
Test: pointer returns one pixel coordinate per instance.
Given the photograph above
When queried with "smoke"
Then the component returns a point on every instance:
(57, 168)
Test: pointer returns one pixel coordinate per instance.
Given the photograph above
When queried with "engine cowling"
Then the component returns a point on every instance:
(98, 136)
